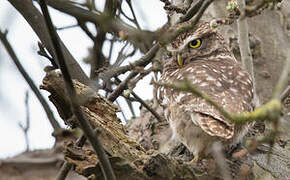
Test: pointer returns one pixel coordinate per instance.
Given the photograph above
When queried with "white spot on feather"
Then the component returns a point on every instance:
(224, 77)
(203, 84)
(179, 97)
(218, 84)
(210, 78)
(234, 90)
(179, 76)
(241, 73)
(200, 71)
(214, 70)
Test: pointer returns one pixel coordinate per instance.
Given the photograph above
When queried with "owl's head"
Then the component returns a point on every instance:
(201, 43)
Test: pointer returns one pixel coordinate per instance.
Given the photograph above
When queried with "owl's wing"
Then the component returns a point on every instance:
(214, 127)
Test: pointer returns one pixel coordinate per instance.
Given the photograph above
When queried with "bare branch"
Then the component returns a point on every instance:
(146, 59)
(285, 93)
(143, 61)
(67, 27)
(36, 21)
(86, 29)
(26, 126)
(155, 114)
(108, 24)
(284, 76)
(30, 82)
(191, 12)
(246, 54)
(85, 125)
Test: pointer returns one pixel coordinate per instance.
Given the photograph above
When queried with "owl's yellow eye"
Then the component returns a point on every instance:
(195, 43)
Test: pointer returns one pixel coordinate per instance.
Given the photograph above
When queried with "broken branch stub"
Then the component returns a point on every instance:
(100, 112)
(128, 158)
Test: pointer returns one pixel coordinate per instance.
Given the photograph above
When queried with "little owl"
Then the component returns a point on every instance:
(202, 57)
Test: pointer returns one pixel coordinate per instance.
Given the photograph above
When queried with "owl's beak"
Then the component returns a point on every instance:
(179, 60)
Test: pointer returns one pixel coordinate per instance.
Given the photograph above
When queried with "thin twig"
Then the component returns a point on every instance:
(141, 101)
(129, 2)
(146, 59)
(37, 23)
(143, 61)
(285, 93)
(86, 29)
(30, 82)
(113, 25)
(85, 125)
(26, 127)
(245, 51)
(171, 35)
(67, 27)
(191, 12)
(64, 170)
(157, 116)
(121, 56)
(42, 52)
(121, 87)
(284, 75)
(122, 112)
